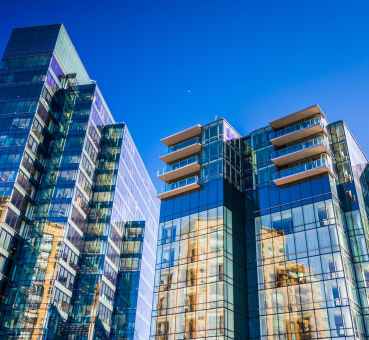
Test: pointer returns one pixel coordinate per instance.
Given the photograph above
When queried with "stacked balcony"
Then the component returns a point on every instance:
(308, 148)
(301, 146)
(180, 169)
(182, 150)
(304, 170)
(298, 131)
(183, 165)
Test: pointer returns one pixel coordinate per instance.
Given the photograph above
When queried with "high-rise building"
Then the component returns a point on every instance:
(79, 212)
(201, 269)
(263, 236)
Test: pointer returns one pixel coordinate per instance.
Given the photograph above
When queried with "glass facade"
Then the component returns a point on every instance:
(306, 282)
(71, 180)
(200, 245)
(263, 236)
(295, 264)
(126, 297)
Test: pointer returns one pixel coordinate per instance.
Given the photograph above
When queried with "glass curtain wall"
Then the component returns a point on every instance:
(126, 296)
(306, 283)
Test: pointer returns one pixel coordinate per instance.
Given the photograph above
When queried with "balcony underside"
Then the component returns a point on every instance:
(295, 117)
(181, 153)
(299, 155)
(297, 135)
(179, 191)
(182, 135)
(303, 175)
(184, 171)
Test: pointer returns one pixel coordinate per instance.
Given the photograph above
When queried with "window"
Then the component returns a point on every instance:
(297, 217)
(339, 325)
(309, 214)
(335, 294)
(21, 123)
(332, 266)
(37, 128)
(7, 176)
(91, 151)
(87, 166)
(320, 211)
(64, 193)
(12, 219)
(19, 200)
(366, 277)
(32, 144)
(67, 175)
(59, 210)
(5, 239)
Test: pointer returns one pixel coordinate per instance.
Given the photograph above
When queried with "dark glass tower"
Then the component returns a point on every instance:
(263, 236)
(71, 184)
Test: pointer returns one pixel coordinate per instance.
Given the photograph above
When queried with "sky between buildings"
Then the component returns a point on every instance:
(166, 65)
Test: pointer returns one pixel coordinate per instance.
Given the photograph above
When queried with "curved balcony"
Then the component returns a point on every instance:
(298, 131)
(304, 171)
(297, 152)
(180, 187)
(183, 168)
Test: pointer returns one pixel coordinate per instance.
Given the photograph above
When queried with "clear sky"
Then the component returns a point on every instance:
(166, 65)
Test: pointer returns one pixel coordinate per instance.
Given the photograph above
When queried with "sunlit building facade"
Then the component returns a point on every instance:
(283, 210)
(304, 193)
(71, 182)
(200, 266)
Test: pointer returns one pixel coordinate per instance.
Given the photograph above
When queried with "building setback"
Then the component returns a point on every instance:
(263, 236)
(78, 212)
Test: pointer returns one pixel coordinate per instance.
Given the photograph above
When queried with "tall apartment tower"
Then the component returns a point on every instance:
(79, 213)
(263, 236)
(200, 270)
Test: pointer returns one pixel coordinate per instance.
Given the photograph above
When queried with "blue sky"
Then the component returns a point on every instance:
(166, 65)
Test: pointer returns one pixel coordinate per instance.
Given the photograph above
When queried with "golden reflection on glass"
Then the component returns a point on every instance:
(189, 303)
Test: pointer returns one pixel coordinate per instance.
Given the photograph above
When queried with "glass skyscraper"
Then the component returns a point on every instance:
(263, 236)
(199, 290)
(79, 213)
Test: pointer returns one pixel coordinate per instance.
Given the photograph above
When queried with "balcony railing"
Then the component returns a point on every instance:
(181, 183)
(180, 169)
(183, 150)
(183, 144)
(298, 131)
(294, 153)
(297, 147)
(304, 114)
(298, 126)
(304, 170)
(179, 187)
(179, 164)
